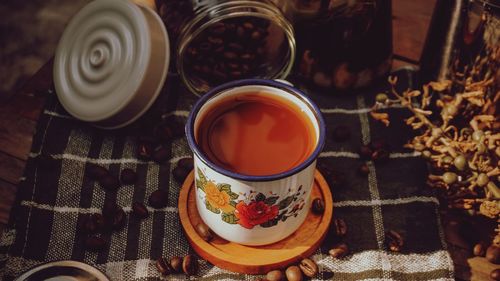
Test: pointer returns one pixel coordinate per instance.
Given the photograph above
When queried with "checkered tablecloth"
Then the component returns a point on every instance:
(52, 201)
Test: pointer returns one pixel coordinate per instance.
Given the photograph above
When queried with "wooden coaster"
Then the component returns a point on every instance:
(257, 259)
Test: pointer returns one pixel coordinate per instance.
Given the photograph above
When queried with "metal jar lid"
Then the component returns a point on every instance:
(111, 62)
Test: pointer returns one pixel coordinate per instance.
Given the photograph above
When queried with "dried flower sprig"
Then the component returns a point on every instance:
(462, 144)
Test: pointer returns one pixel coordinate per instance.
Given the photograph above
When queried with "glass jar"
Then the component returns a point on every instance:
(341, 44)
(219, 41)
(463, 43)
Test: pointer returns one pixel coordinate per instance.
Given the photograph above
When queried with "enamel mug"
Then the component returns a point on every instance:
(253, 210)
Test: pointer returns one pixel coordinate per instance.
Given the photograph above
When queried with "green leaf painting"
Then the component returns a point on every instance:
(283, 204)
(211, 208)
(229, 218)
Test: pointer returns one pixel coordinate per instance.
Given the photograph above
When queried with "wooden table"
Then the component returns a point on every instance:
(18, 117)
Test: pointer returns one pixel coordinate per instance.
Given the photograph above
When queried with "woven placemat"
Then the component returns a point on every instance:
(52, 201)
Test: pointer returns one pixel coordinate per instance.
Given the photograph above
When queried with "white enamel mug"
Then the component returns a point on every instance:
(253, 210)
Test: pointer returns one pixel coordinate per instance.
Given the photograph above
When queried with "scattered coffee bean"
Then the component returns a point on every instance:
(293, 273)
(308, 267)
(162, 266)
(94, 223)
(109, 182)
(97, 172)
(479, 250)
(186, 163)
(119, 218)
(339, 227)
(394, 241)
(204, 231)
(158, 199)
(365, 152)
(95, 243)
(164, 133)
(128, 176)
(145, 150)
(275, 275)
(318, 206)
(495, 274)
(363, 170)
(139, 210)
(341, 133)
(176, 264)
(189, 265)
(493, 254)
(380, 155)
(339, 251)
(378, 144)
(161, 155)
(180, 173)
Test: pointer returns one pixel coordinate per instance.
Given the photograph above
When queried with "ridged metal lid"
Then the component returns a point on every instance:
(111, 62)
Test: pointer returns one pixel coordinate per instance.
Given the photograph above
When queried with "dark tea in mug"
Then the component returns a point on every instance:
(256, 134)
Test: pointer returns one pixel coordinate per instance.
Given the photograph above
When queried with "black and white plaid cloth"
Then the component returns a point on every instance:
(52, 201)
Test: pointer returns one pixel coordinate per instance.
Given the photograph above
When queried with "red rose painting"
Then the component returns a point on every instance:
(255, 213)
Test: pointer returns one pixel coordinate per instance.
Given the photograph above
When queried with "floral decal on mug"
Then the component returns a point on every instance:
(253, 209)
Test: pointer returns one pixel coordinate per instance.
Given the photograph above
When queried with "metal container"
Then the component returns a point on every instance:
(219, 41)
(341, 44)
(463, 42)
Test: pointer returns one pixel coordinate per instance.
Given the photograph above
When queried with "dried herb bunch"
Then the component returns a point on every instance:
(458, 134)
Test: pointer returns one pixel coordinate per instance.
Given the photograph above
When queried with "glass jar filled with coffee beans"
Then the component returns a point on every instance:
(341, 44)
(219, 41)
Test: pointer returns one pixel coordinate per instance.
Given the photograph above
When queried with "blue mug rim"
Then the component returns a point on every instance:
(189, 129)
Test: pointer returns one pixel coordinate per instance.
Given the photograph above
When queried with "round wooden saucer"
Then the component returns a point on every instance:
(257, 259)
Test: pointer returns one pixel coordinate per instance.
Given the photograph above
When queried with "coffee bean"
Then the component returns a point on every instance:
(94, 223)
(215, 40)
(479, 250)
(189, 265)
(164, 132)
(187, 163)
(218, 28)
(493, 254)
(275, 275)
(394, 241)
(495, 274)
(204, 231)
(144, 150)
(293, 273)
(339, 227)
(176, 264)
(248, 25)
(230, 55)
(180, 173)
(119, 218)
(128, 176)
(365, 152)
(139, 210)
(318, 206)
(162, 266)
(380, 155)
(109, 182)
(363, 170)
(236, 47)
(95, 243)
(97, 172)
(341, 133)
(158, 199)
(308, 267)
(379, 144)
(339, 251)
(161, 155)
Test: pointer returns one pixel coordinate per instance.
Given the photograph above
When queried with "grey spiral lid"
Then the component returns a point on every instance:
(111, 62)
